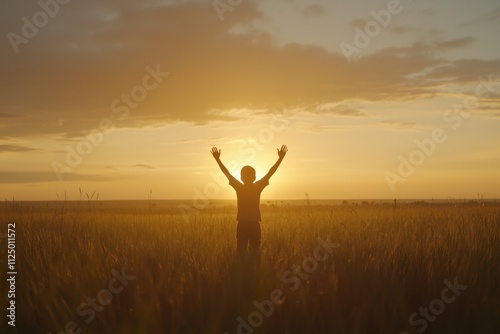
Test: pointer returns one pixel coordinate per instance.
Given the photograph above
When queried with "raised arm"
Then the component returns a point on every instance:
(216, 153)
(281, 155)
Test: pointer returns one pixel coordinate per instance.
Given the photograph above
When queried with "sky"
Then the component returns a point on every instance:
(374, 99)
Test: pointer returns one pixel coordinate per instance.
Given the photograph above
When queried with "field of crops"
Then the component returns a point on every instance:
(91, 268)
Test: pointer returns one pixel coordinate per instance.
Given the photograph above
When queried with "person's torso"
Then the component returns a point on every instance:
(248, 197)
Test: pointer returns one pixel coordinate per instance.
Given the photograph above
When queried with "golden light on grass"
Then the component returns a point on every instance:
(391, 261)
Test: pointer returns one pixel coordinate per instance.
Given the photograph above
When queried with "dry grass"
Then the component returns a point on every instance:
(391, 261)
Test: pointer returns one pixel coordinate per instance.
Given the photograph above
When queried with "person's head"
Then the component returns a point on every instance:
(247, 175)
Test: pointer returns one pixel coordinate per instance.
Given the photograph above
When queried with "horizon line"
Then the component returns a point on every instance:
(266, 200)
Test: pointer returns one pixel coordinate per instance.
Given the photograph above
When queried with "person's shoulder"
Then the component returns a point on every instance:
(235, 183)
(263, 182)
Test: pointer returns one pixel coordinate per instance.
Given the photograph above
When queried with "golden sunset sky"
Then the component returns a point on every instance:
(375, 99)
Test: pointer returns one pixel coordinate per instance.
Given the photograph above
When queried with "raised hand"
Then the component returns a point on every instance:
(282, 151)
(215, 152)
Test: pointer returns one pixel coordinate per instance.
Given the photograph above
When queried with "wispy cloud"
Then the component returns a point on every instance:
(10, 177)
(311, 127)
(313, 10)
(10, 115)
(402, 29)
(143, 166)
(15, 148)
(398, 125)
(334, 109)
(490, 17)
(456, 43)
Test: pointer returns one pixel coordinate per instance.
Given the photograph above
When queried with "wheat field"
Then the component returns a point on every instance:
(98, 268)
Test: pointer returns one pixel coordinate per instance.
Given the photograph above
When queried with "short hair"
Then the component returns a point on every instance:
(248, 174)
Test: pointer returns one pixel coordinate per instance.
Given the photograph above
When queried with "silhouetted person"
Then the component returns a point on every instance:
(248, 195)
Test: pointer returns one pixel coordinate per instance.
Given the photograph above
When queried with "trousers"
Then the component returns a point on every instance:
(248, 234)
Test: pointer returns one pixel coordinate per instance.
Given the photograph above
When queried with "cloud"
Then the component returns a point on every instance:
(307, 9)
(348, 112)
(456, 43)
(310, 127)
(10, 115)
(10, 177)
(181, 141)
(465, 71)
(490, 17)
(340, 110)
(490, 108)
(15, 148)
(313, 10)
(143, 166)
(397, 125)
(358, 22)
(64, 81)
(401, 29)
(429, 12)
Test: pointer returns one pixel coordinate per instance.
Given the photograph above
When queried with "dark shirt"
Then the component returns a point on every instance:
(248, 196)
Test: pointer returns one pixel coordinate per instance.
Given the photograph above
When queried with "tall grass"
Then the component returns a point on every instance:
(391, 261)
